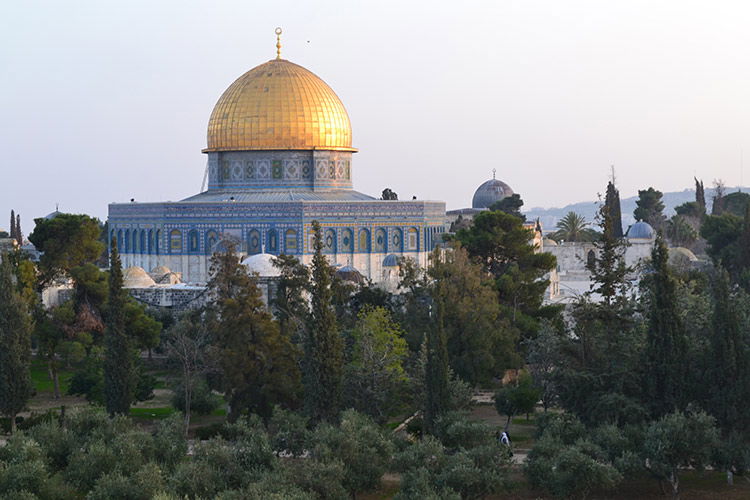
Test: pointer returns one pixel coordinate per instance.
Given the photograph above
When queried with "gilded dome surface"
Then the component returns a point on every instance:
(279, 105)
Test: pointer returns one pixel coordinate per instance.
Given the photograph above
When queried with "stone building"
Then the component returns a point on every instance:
(280, 156)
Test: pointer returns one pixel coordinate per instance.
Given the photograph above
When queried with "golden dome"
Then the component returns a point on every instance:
(279, 105)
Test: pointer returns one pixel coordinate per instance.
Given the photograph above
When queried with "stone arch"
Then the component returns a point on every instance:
(156, 241)
(272, 241)
(397, 240)
(412, 239)
(380, 241)
(253, 242)
(126, 245)
(590, 258)
(150, 241)
(120, 241)
(142, 241)
(212, 238)
(347, 240)
(290, 242)
(364, 240)
(329, 241)
(175, 241)
(193, 241)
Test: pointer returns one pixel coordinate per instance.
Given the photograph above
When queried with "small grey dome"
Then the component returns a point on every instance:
(490, 192)
(641, 231)
(391, 260)
(52, 215)
(349, 273)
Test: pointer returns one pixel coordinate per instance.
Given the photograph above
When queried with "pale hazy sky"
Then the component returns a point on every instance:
(104, 101)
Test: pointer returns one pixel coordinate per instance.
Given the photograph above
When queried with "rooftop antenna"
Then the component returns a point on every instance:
(278, 43)
(493, 173)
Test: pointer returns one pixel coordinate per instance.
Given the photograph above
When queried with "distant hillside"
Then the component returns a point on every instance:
(550, 216)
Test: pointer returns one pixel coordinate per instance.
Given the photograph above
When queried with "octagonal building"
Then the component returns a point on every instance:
(279, 157)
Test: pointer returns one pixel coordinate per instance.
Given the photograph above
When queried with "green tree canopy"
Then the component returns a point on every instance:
(67, 241)
(574, 227)
(650, 208)
(510, 205)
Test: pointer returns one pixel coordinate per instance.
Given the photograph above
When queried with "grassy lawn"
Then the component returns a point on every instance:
(151, 413)
(40, 378)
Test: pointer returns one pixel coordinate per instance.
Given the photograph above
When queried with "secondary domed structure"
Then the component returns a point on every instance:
(490, 192)
(640, 231)
(279, 148)
(262, 264)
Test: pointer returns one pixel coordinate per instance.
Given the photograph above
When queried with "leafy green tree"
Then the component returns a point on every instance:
(257, 365)
(543, 356)
(504, 248)
(722, 233)
(666, 344)
(480, 341)
(613, 210)
(186, 345)
(680, 232)
(388, 194)
(679, 440)
(323, 360)
(290, 305)
(67, 241)
(119, 370)
(518, 398)
(510, 205)
(15, 346)
(359, 445)
(573, 227)
(375, 375)
(650, 208)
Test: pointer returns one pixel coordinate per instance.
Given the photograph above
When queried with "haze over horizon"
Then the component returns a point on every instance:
(103, 102)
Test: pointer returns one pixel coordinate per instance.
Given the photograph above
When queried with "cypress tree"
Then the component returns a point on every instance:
(19, 234)
(608, 270)
(612, 202)
(12, 224)
(15, 346)
(700, 196)
(727, 363)
(323, 363)
(666, 340)
(119, 380)
(438, 397)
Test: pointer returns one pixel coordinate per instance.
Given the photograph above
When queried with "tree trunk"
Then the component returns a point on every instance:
(674, 480)
(507, 422)
(53, 375)
(188, 400)
(13, 424)
(730, 477)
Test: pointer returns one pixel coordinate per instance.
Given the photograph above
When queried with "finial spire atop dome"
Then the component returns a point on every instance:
(493, 172)
(278, 43)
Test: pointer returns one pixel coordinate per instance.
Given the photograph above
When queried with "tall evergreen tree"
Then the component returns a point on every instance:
(608, 270)
(323, 361)
(19, 233)
(728, 362)
(15, 346)
(666, 347)
(12, 224)
(700, 195)
(257, 365)
(119, 372)
(438, 396)
(650, 208)
(290, 305)
(612, 202)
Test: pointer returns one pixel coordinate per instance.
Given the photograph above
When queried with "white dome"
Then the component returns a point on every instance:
(262, 264)
(136, 277)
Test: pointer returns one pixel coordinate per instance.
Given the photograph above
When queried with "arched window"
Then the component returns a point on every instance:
(175, 241)
(142, 243)
(126, 248)
(193, 241)
(290, 241)
(120, 244)
(273, 241)
(412, 239)
(150, 241)
(397, 240)
(347, 240)
(253, 242)
(212, 238)
(590, 259)
(329, 241)
(381, 240)
(156, 240)
(364, 240)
